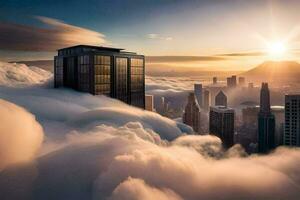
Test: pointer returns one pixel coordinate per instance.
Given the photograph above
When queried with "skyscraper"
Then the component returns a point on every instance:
(198, 90)
(192, 114)
(242, 81)
(215, 80)
(266, 122)
(221, 124)
(206, 100)
(231, 82)
(102, 71)
(292, 120)
(149, 102)
(221, 99)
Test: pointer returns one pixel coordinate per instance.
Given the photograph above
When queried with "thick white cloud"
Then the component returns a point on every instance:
(20, 135)
(99, 148)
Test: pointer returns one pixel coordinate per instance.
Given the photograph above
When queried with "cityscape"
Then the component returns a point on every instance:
(149, 100)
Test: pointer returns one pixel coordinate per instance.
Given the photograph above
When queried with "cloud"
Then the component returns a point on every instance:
(91, 153)
(20, 135)
(158, 37)
(243, 54)
(168, 59)
(57, 35)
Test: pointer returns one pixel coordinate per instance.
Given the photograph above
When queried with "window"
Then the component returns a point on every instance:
(102, 66)
(83, 73)
(121, 79)
(59, 70)
(137, 82)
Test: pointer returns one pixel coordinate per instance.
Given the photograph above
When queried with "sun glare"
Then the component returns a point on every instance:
(276, 49)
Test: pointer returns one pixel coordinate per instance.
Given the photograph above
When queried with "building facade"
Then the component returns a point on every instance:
(221, 124)
(266, 122)
(102, 70)
(221, 99)
(292, 120)
(149, 102)
(192, 114)
(198, 90)
(206, 100)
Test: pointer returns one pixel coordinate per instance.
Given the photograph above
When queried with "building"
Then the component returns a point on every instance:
(206, 100)
(221, 124)
(198, 90)
(242, 81)
(161, 106)
(192, 114)
(292, 120)
(215, 80)
(221, 99)
(266, 122)
(249, 115)
(149, 102)
(231, 82)
(102, 70)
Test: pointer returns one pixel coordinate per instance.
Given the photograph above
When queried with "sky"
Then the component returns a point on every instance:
(222, 34)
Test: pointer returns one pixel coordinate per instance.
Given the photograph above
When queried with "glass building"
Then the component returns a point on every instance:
(102, 71)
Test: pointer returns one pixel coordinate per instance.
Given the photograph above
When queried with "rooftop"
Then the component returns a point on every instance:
(100, 48)
(222, 109)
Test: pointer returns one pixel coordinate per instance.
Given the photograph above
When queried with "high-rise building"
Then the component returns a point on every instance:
(292, 120)
(215, 80)
(231, 82)
(206, 100)
(221, 99)
(149, 102)
(221, 124)
(102, 70)
(198, 90)
(242, 81)
(266, 122)
(160, 105)
(192, 114)
(249, 115)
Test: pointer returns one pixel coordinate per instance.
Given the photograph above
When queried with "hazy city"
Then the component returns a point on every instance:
(150, 100)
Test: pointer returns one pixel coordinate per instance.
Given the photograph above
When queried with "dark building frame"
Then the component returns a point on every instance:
(102, 70)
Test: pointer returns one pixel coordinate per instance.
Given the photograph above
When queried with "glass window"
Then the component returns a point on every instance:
(102, 68)
(121, 79)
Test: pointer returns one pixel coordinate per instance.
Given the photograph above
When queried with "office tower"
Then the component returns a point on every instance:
(206, 100)
(149, 102)
(215, 80)
(231, 82)
(292, 120)
(221, 124)
(242, 81)
(278, 112)
(266, 122)
(221, 99)
(102, 70)
(198, 90)
(160, 105)
(249, 116)
(192, 114)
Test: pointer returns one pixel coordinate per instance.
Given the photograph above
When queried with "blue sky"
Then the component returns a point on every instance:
(155, 27)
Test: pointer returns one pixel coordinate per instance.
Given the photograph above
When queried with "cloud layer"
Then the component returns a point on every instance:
(57, 35)
(99, 148)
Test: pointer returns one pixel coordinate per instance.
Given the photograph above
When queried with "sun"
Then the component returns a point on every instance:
(276, 49)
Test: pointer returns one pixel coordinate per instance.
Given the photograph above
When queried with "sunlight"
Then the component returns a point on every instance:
(276, 49)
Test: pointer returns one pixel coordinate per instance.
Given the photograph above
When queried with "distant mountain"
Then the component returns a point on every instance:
(275, 71)
(44, 64)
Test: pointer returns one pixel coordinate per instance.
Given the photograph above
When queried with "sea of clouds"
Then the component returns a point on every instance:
(63, 144)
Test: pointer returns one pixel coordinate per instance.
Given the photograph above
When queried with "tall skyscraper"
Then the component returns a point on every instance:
(221, 124)
(231, 82)
(206, 100)
(242, 81)
(215, 80)
(198, 90)
(221, 99)
(192, 114)
(292, 120)
(266, 122)
(149, 102)
(102, 71)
